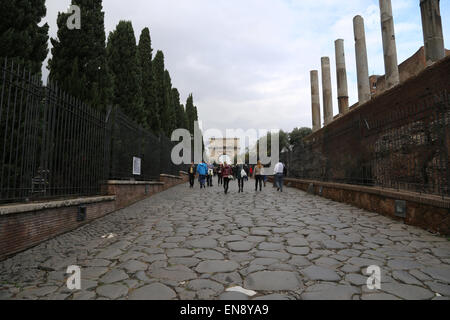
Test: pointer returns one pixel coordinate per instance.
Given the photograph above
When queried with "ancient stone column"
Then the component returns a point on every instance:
(389, 46)
(315, 100)
(341, 73)
(362, 66)
(326, 90)
(432, 30)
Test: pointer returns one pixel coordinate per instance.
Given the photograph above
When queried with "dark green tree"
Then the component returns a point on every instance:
(123, 63)
(159, 87)
(191, 113)
(145, 53)
(21, 38)
(168, 113)
(298, 134)
(181, 121)
(85, 49)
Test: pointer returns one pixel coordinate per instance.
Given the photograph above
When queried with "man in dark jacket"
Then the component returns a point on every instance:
(227, 171)
(192, 173)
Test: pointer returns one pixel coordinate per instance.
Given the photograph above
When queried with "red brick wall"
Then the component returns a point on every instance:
(23, 230)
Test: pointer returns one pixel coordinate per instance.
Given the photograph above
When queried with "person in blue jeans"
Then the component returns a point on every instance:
(202, 170)
(279, 172)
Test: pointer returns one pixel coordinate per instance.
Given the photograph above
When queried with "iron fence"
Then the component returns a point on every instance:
(405, 147)
(53, 145)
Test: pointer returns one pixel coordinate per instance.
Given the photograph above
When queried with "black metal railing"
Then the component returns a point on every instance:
(53, 145)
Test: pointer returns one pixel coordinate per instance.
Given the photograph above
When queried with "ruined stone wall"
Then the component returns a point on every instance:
(399, 139)
(410, 68)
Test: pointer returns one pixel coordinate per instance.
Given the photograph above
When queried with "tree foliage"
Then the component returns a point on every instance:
(79, 55)
(123, 62)
(145, 53)
(21, 38)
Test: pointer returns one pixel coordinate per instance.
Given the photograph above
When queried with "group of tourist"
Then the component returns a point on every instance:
(240, 172)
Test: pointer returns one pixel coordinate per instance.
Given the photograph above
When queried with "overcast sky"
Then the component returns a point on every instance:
(247, 62)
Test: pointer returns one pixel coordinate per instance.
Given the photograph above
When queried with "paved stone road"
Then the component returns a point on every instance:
(187, 244)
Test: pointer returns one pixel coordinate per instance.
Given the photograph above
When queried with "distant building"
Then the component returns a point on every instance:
(224, 149)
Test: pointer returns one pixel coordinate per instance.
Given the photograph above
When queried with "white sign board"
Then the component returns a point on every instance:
(136, 166)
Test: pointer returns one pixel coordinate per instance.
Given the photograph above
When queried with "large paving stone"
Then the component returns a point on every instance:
(297, 242)
(264, 261)
(405, 277)
(209, 255)
(110, 253)
(203, 243)
(402, 264)
(216, 266)
(272, 281)
(175, 273)
(364, 262)
(407, 292)
(331, 244)
(112, 291)
(320, 273)
(93, 272)
(440, 288)
(180, 253)
(241, 246)
(113, 276)
(330, 292)
(299, 261)
(379, 296)
(233, 296)
(200, 284)
(228, 279)
(270, 246)
(188, 262)
(301, 251)
(441, 273)
(154, 291)
(272, 297)
(134, 266)
(272, 254)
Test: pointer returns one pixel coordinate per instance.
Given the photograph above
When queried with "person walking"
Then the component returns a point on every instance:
(192, 173)
(240, 175)
(258, 174)
(278, 172)
(263, 172)
(202, 170)
(219, 175)
(210, 174)
(227, 174)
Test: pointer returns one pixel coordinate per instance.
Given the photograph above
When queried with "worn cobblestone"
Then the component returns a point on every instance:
(194, 244)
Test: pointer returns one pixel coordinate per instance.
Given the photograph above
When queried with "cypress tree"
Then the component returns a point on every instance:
(123, 63)
(87, 46)
(181, 120)
(159, 87)
(168, 115)
(145, 53)
(190, 113)
(20, 36)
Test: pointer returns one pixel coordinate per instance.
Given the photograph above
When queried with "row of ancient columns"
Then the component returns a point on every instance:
(434, 51)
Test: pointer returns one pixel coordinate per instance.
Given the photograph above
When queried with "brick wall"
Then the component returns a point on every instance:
(28, 227)
(20, 231)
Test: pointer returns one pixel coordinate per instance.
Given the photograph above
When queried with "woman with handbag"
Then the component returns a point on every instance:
(258, 172)
(227, 174)
(241, 174)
